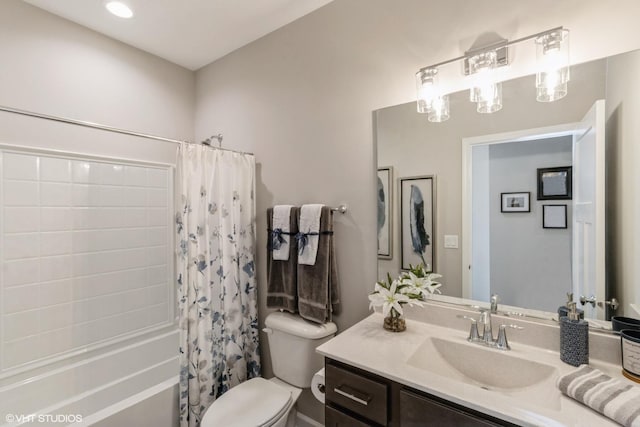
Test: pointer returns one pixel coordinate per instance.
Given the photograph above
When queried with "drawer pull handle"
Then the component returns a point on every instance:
(363, 401)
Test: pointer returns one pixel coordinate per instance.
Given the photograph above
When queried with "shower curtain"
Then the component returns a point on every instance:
(217, 298)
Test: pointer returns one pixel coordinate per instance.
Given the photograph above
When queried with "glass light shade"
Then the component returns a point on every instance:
(439, 111)
(544, 94)
(553, 71)
(486, 91)
(427, 87)
(490, 99)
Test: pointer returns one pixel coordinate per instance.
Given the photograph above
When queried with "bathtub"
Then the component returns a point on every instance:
(132, 384)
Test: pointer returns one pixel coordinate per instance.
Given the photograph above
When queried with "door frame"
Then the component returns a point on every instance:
(467, 173)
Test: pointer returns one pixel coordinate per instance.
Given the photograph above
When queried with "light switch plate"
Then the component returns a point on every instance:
(451, 241)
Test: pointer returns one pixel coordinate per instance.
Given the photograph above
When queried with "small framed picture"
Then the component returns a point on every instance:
(515, 202)
(385, 212)
(554, 183)
(554, 216)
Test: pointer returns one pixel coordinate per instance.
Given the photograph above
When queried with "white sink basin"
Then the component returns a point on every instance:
(488, 368)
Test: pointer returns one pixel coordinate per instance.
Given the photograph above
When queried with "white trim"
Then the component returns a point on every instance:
(160, 331)
(524, 134)
(125, 403)
(21, 149)
(467, 173)
(635, 308)
(304, 421)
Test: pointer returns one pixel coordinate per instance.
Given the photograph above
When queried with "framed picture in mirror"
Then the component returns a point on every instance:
(417, 223)
(385, 202)
(554, 183)
(515, 202)
(554, 216)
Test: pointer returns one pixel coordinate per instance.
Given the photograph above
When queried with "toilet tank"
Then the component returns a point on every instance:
(292, 346)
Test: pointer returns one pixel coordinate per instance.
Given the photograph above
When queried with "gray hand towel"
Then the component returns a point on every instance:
(318, 297)
(616, 399)
(282, 292)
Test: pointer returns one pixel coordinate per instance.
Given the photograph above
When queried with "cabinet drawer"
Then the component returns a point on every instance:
(335, 418)
(420, 411)
(357, 393)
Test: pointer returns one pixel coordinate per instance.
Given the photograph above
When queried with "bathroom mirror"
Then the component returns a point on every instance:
(527, 259)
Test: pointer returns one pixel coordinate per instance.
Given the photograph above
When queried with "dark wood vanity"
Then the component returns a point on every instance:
(355, 397)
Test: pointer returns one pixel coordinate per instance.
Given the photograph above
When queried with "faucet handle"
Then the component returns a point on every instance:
(473, 331)
(501, 341)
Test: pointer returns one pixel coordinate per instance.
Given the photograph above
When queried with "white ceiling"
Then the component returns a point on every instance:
(190, 33)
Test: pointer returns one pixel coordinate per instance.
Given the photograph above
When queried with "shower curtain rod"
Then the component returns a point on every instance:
(111, 128)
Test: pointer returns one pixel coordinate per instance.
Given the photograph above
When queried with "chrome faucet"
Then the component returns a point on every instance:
(494, 303)
(500, 343)
(487, 332)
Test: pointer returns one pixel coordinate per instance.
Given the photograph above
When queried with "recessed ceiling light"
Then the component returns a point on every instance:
(119, 9)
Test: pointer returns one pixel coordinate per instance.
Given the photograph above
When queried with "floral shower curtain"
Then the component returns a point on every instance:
(217, 298)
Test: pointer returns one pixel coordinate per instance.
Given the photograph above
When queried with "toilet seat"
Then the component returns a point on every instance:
(257, 402)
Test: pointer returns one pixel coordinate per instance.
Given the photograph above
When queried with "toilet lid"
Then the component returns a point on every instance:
(253, 403)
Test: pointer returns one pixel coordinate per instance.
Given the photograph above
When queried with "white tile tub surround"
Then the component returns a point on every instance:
(84, 254)
(103, 387)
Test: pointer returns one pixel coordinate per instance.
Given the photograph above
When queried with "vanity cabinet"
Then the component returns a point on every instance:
(355, 397)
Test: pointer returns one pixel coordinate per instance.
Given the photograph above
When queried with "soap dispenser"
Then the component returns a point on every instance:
(564, 309)
(574, 337)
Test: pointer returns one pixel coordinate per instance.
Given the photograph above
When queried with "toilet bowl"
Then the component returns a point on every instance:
(271, 403)
(257, 402)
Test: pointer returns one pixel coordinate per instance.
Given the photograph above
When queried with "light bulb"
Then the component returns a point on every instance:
(430, 100)
(439, 111)
(119, 9)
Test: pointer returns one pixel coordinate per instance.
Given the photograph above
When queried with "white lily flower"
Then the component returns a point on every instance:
(422, 286)
(388, 299)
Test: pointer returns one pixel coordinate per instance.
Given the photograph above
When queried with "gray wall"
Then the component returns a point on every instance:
(623, 180)
(53, 66)
(301, 98)
(530, 266)
(413, 146)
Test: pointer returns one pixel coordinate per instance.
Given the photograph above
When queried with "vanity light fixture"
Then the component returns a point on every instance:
(552, 74)
(430, 99)
(119, 9)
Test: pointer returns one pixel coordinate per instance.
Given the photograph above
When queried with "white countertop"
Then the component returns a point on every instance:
(368, 346)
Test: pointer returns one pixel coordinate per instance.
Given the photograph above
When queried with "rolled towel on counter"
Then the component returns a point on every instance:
(613, 398)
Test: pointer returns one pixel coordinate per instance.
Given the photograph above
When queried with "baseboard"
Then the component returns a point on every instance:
(303, 421)
(635, 308)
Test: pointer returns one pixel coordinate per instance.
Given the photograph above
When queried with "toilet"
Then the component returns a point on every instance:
(270, 403)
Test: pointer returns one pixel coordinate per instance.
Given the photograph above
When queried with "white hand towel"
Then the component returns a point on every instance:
(281, 220)
(309, 225)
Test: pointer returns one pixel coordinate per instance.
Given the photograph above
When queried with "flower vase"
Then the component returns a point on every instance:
(394, 322)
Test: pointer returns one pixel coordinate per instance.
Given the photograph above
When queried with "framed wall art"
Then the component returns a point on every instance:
(385, 212)
(554, 183)
(554, 216)
(515, 202)
(417, 221)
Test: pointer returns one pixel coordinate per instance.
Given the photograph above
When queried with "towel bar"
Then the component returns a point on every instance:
(342, 209)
